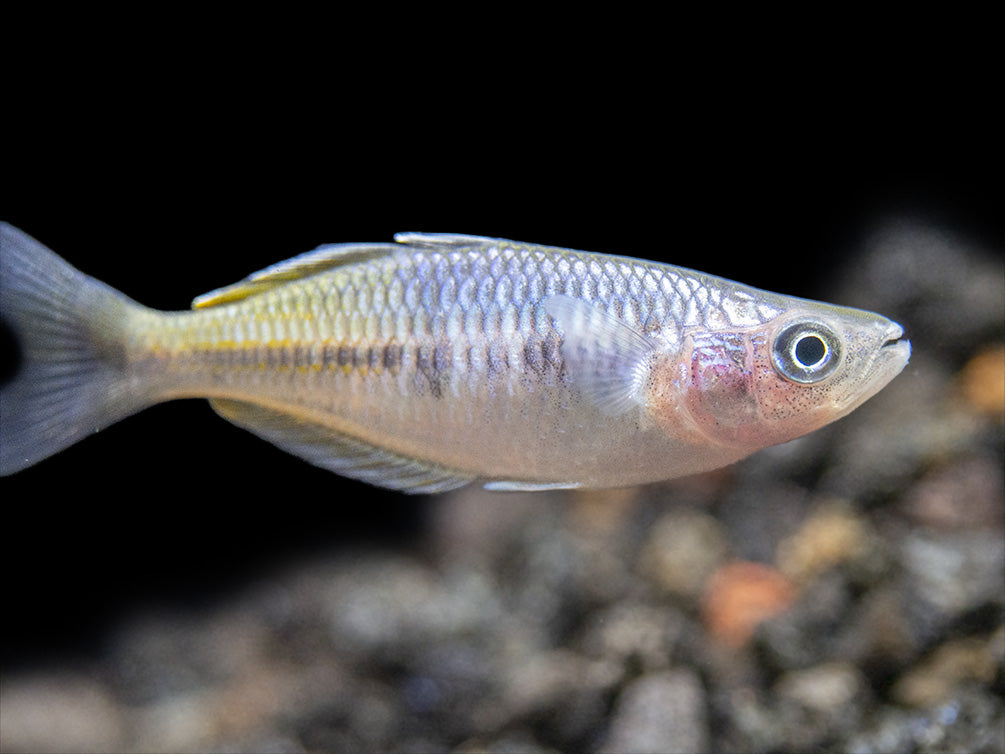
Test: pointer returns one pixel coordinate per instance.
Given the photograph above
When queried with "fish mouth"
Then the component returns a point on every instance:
(893, 334)
(890, 358)
(895, 346)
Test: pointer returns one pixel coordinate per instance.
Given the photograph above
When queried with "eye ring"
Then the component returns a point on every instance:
(806, 352)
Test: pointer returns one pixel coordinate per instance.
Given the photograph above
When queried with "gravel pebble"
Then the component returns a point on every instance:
(56, 711)
(662, 712)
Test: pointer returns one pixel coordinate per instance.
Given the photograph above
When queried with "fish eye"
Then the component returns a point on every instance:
(806, 352)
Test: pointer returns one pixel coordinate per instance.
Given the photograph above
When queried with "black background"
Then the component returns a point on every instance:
(171, 184)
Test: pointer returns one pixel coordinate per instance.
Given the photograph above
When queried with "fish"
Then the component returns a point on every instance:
(439, 360)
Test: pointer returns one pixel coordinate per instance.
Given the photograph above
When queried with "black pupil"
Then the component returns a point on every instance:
(810, 350)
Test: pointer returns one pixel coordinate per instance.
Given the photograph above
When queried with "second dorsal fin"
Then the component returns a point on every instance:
(304, 265)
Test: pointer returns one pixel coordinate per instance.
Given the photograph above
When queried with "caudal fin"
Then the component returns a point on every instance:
(73, 376)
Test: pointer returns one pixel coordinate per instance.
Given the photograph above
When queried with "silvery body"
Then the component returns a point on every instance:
(439, 360)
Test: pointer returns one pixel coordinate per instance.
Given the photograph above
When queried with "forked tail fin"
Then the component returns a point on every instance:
(73, 376)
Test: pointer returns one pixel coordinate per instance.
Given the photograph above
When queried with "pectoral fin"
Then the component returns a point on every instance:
(606, 358)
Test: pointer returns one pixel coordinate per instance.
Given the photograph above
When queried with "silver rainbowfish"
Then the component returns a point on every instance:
(438, 360)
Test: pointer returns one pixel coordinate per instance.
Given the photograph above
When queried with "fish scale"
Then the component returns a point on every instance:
(502, 358)
(437, 360)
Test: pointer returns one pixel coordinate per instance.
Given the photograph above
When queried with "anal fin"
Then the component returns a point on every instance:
(329, 449)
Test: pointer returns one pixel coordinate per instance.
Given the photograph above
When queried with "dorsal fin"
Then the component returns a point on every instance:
(304, 265)
(444, 239)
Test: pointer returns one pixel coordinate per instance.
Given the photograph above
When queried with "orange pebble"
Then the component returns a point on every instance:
(983, 380)
(740, 595)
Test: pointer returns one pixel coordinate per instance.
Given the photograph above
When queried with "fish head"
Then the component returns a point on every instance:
(758, 386)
